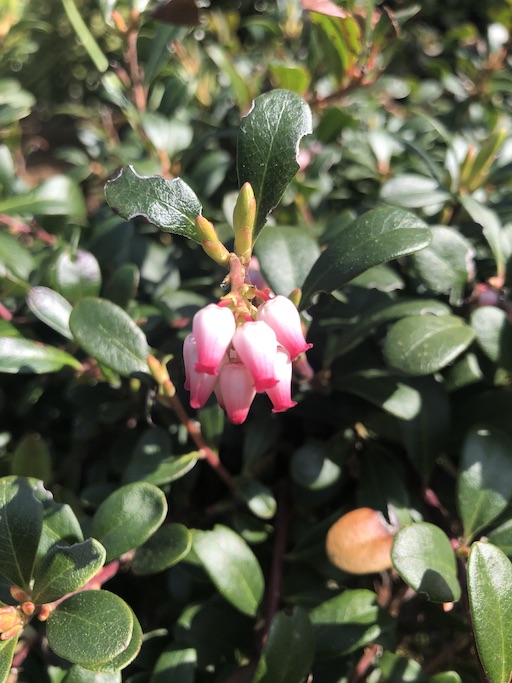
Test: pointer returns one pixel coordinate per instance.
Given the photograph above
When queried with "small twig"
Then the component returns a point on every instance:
(366, 664)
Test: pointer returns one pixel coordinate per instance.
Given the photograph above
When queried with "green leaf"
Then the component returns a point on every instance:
(385, 312)
(169, 204)
(340, 40)
(231, 566)
(347, 622)
(491, 229)
(502, 537)
(57, 196)
(85, 36)
(66, 569)
(445, 266)
(128, 517)
(109, 335)
(21, 520)
(26, 356)
(312, 466)
(267, 147)
(384, 390)
(177, 663)
(375, 237)
(484, 485)
(60, 526)
(290, 76)
(490, 599)
(258, 497)
(288, 651)
(76, 276)
(78, 674)
(126, 656)
(51, 308)
(412, 191)
(424, 558)
(123, 285)
(91, 627)
(32, 458)
(493, 334)
(7, 651)
(13, 255)
(286, 255)
(423, 345)
(167, 546)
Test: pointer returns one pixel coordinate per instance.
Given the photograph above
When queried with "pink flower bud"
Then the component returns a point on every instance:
(237, 391)
(200, 384)
(256, 346)
(213, 328)
(281, 315)
(280, 395)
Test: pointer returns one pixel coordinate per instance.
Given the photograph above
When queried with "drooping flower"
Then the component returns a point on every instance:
(237, 391)
(213, 328)
(281, 315)
(200, 384)
(256, 346)
(280, 395)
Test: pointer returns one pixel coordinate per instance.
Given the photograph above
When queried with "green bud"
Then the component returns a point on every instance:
(244, 217)
(211, 243)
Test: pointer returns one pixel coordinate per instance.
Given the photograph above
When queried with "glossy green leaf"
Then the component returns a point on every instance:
(167, 546)
(423, 345)
(445, 677)
(125, 657)
(385, 312)
(66, 569)
(90, 627)
(77, 674)
(268, 143)
(375, 237)
(494, 334)
(27, 356)
(288, 651)
(384, 390)
(258, 497)
(340, 38)
(425, 435)
(490, 599)
(412, 191)
(51, 308)
(290, 76)
(484, 485)
(128, 517)
(312, 466)
(109, 335)
(424, 558)
(177, 663)
(170, 204)
(446, 264)
(286, 255)
(7, 651)
(76, 276)
(347, 622)
(231, 566)
(21, 520)
(60, 526)
(57, 196)
(491, 229)
(169, 135)
(15, 257)
(32, 458)
(501, 536)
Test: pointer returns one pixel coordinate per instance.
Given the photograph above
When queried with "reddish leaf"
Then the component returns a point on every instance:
(324, 7)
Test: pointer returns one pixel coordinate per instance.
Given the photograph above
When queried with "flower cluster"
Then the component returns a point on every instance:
(237, 357)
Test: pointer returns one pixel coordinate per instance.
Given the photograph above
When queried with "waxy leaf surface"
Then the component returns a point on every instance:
(166, 547)
(51, 308)
(27, 356)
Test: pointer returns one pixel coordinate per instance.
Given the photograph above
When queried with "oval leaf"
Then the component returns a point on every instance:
(376, 237)
(51, 308)
(177, 663)
(128, 517)
(123, 658)
(21, 521)
(493, 334)
(423, 345)
(109, 335)
(59, 195)
(484, 485)
(267, 147)
(424, 558)
(412, 191)
(169, 204)
(288, 650)
(78, 674)
(76, 276)
(232, 567)
(32, 458)
(66, 569)
(26, 356)
(90, 627)
(168, 546)
(490, 599)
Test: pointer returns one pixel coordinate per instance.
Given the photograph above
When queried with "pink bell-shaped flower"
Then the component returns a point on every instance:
(213, 328)
(281, 315)
(280, 395)
(200, 384)
(236, 388)
(256, 346)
